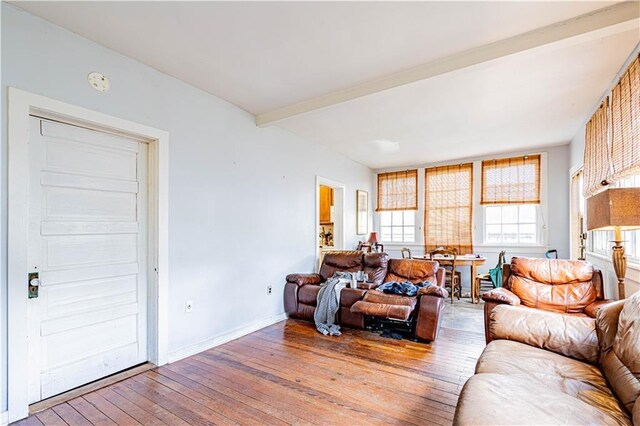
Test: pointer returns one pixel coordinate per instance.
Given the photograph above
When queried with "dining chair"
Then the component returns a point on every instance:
(452, 277)
(405, 252)
(484, 281)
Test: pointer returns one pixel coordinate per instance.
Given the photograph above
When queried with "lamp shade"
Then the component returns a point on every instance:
(373, 237)
(614, 207)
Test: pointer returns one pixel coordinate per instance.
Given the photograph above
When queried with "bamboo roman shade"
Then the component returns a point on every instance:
(597, 161)
(449, 207)
(398, 191)
(514, 180)
(625, 123)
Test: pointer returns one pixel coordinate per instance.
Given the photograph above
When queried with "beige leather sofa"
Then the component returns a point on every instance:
(547, 368)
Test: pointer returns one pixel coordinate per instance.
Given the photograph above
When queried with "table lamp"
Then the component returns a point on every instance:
(373, 240)
(617, 210)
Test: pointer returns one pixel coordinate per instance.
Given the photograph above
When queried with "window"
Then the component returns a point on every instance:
(516, 224)
(511, 199)
(398, 226)
(448, 207)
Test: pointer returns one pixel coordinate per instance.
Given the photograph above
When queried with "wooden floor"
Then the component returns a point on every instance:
(290, 374)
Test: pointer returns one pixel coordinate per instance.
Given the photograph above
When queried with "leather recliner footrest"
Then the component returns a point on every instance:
(383, 310)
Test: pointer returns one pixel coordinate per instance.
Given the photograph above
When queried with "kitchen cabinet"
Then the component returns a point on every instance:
(326, 202)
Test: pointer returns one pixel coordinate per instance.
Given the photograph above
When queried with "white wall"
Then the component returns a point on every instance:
(242, 198)
(554, 205)
(632, 279)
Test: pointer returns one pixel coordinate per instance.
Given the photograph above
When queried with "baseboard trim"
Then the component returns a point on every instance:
(225, 337)
(4, 418)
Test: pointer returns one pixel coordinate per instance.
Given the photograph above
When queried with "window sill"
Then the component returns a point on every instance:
(632, 263)
(497, 248)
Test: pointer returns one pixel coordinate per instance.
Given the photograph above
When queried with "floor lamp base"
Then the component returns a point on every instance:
(620, 266)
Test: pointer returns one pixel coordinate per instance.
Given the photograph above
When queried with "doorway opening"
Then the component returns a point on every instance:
(330, 216)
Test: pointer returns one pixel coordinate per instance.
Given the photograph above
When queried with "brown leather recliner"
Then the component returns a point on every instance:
(543, 367)
(301, 291)
(423, 310)
(571, 287)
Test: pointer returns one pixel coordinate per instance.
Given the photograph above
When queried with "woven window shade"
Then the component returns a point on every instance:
(449, 207)
(625, 123)
(514, 180)
(597, 160)
(398, 191)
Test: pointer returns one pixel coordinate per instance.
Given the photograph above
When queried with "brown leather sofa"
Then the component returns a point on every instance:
(544, 367)
(571, 287)
(301, 291)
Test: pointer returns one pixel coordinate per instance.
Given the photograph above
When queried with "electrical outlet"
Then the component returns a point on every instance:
(269, 289)
(188, 306)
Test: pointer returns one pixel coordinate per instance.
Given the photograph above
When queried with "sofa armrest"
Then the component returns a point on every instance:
(304, 279)
(567, 335)
(593, 308)
(433, 290)
(607, 323)
(501, 295)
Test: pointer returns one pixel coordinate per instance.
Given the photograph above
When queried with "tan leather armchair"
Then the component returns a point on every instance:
(542, 367)
(571, 287)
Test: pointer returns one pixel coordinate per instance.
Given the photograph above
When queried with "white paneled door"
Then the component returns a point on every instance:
(88, 245)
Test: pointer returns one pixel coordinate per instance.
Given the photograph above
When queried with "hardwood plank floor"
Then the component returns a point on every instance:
(290, 374)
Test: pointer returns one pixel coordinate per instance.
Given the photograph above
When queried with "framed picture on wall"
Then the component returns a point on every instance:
(362, 212)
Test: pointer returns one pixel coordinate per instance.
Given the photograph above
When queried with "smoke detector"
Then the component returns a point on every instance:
(98, 81)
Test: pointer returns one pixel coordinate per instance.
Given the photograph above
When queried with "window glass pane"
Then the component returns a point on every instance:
(527, 234)
(493, 233)
(493, 214)
(385, 219)
(409, 217)
(510, 233)
(527, 213)
(409, 234)
(509, 214)
(385, 233)
(396, 217)
(396, 234)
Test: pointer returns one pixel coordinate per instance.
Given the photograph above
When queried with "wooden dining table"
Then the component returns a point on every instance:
(470, 260)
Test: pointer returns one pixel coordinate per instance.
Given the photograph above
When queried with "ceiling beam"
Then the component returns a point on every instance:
(593, 21)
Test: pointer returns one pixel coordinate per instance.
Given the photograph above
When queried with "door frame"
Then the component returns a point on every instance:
(340, 222)
(21, 105)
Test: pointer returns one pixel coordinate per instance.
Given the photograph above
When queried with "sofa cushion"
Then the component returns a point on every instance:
(568, 335)
(501, 399)
(509, 357)
(341, 261)
(552, 271)
(564, 286)
(375, 266)
(413, 270)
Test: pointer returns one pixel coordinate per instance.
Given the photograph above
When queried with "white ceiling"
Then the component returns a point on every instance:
(266, 55)
(530, 100)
